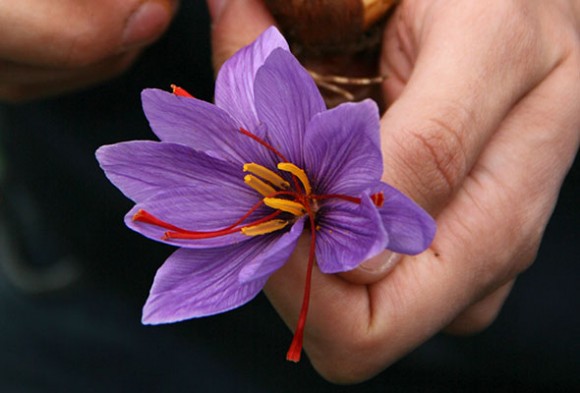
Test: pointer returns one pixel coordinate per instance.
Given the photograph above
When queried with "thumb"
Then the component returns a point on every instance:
(235, 24)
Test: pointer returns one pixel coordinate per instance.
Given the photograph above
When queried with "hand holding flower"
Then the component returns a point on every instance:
(483, 126)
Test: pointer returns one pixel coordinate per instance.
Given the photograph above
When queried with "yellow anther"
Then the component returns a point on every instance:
(266, 174)
(260, 186)
(286, 206)
(299, 173)
(265, 227)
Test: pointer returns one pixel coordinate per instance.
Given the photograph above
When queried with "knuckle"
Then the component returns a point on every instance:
(521, 242)
(527, 244)
(435, 154)
(472, 322)
(528, 221)
(480, 315)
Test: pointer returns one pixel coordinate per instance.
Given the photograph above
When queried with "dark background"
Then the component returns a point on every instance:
(73, 279)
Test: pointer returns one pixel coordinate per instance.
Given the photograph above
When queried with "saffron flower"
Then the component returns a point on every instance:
(235, 184)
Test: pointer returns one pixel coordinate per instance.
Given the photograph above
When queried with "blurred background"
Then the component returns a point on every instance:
(73, 279)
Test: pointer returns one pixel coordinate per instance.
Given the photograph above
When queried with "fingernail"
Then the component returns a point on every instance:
(146, 24)
(381, 263)
(215, 8)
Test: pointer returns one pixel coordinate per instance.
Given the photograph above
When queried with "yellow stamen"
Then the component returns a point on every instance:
(286, 206)
(299, 173)
(265, 227)
(260, 186)
(266, 174)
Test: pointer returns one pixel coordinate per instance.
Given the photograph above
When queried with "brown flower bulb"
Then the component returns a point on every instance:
(329, 26)
(338, 41)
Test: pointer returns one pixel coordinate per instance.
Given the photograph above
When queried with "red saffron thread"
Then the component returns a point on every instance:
(295, 351)
(378, 199)
(148, 218)
(178, 91)
(337, 196)
(263, 143)
(222, 232)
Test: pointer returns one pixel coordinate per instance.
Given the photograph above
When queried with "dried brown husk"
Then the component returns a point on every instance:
(338, 40)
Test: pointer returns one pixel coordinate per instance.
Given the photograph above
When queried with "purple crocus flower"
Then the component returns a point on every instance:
(234, 184)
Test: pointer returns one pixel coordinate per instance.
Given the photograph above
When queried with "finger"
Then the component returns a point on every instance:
(461, 85)
(69, 33)
(480, 315)
(235, 24)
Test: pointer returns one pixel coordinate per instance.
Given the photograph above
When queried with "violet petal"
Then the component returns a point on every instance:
(286, 99)
(195, 283)
(411, 229)
(197, 124)
(203, 209)
(348, 234)
(265, 266)
(341, 149)
(141, 169)
(234, 91)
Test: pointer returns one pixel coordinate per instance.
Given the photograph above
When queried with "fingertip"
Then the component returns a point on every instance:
(147, 23)
(215, 8)
(236, 24)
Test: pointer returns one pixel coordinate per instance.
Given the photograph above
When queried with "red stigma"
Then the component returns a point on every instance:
(263, 143)
(378, 199)
(178, 91)
(295, 351)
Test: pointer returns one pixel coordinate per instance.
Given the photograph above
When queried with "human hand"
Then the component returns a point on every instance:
(52, 47)
(483, 125)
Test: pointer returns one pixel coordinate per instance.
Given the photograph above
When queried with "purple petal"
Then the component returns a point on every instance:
(348, 234)
(141, 169)
(197, 124)
(203, 209)
(341, 149)
(196, 283)
(411, 229)
(286, 99)
(234, 89)
(265, 266)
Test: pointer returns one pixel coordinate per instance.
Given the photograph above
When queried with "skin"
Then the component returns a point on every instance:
(41, 56)
(483, 125)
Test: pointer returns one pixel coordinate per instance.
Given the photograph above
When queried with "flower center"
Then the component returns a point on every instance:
(277, 192)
